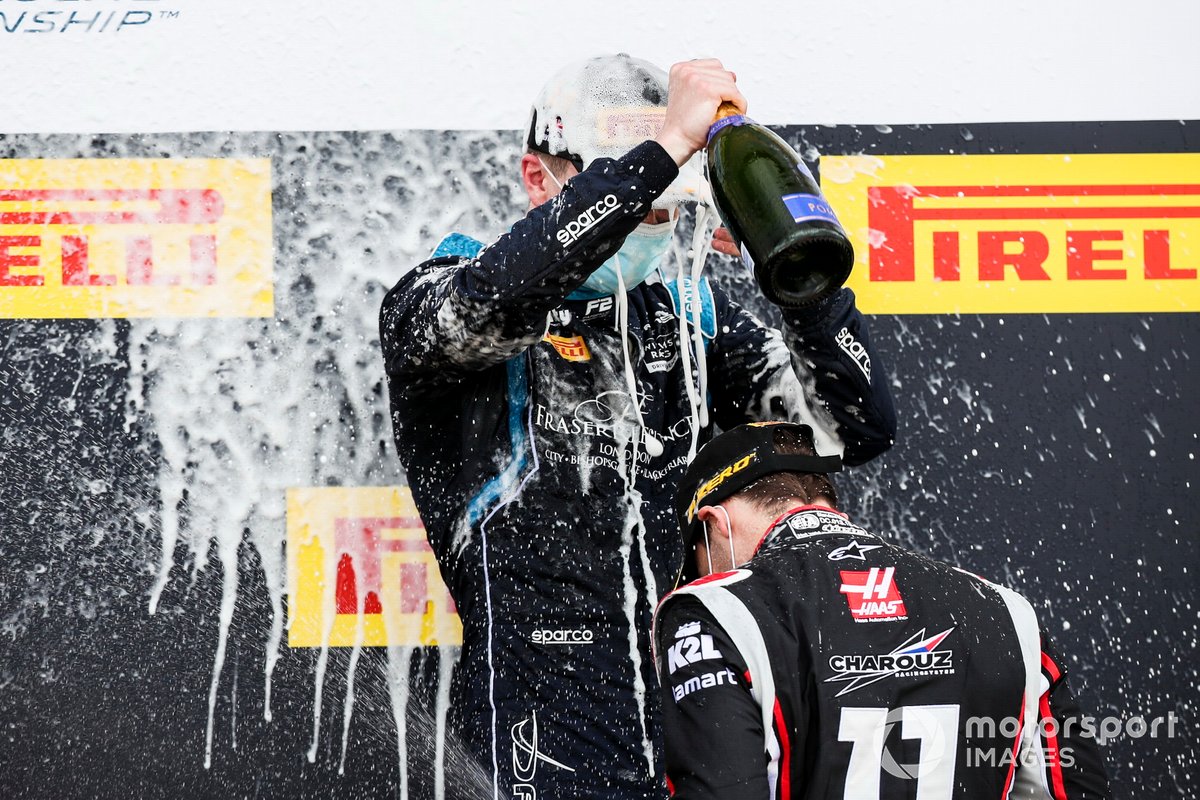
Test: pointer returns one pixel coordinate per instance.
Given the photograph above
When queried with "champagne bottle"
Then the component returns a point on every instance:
(774, 209)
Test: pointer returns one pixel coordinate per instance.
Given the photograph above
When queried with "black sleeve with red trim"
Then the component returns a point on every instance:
(451, 316)
(823, 353)
(1074, 766)
(712, 726)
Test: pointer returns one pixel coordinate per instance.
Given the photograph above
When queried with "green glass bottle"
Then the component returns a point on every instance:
(774, 209)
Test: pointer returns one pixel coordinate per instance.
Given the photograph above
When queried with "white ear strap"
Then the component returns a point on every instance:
(549, 173)
(708, 549)
(733, 562)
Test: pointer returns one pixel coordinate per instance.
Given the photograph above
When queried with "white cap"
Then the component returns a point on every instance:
(602, 108)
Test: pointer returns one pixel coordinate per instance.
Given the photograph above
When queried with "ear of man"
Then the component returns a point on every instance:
(716, 523)
(543, 175)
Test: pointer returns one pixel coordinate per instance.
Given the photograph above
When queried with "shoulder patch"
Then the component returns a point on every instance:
(683, 287)
(457, 244)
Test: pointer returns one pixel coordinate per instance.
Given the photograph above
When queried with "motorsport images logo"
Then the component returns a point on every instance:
(135, 238)
(360, 569)
(1020, 233)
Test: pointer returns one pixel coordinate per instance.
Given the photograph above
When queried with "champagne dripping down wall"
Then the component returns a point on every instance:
(1055, 453)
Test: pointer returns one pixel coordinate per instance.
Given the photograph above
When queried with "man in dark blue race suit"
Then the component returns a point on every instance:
(548, 390)
(817, 660)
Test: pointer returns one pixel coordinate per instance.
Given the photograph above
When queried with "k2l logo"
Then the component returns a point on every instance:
(692, 646)
(873, 595)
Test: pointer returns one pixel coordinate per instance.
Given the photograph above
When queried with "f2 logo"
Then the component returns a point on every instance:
(601, 305)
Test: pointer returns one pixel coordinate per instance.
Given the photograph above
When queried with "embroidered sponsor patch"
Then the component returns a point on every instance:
(873, 595)
(572, 348)
(918, 656)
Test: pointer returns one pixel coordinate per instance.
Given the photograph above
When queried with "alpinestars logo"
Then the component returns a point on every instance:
(590, 218)
(525, 756)
(873, 595)
(852, 550)
(917, 656)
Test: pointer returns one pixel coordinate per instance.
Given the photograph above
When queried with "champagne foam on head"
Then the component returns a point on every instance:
(602, 108)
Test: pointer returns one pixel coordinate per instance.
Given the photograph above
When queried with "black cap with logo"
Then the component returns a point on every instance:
(733, 461)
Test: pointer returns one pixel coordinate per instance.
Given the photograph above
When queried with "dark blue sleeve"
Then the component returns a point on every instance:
(451, 316)
(834, 344)
(821, 369)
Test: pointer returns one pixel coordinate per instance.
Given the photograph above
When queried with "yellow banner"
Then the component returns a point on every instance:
(1020, 233)
(135, 238)
(358, 556)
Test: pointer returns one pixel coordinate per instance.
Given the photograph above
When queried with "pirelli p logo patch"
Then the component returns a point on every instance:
(572, 348)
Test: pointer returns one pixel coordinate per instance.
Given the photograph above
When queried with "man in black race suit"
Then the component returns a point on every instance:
(817, 660)
(544, 411)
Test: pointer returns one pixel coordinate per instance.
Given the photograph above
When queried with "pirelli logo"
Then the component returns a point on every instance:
(360, 570)
(1021, 234)
(135, 238)
(572, 348)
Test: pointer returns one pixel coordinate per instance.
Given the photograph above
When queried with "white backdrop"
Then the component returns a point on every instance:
(269, 65)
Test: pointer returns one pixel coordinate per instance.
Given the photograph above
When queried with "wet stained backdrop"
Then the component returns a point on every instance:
(1051, 452)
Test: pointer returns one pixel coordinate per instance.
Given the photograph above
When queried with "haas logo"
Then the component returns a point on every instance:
(873, 595)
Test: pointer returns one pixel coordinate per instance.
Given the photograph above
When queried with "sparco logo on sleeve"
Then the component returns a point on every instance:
(854, 348)
(590, 218)
(873, 595)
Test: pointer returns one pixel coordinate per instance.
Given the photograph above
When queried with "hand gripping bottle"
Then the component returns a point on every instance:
(774, 209)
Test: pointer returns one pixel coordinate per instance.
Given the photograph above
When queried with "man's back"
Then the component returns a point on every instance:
(873, 672)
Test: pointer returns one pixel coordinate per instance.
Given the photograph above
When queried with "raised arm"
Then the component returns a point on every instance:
(822, 370)
(453, 315)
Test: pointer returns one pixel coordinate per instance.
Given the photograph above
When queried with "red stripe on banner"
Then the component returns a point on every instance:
(1115, 212)
(670, 785)
(1012, 765)
(1056, 773)
(1064, 190)
(107, 206)
(1050, 667)
(785, 758)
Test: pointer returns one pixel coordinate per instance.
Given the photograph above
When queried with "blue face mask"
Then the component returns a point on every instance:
(639, 256)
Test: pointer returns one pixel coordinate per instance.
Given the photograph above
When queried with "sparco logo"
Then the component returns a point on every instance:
(589, 219)
(854, 348)
(563, 636)
(917, 656)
